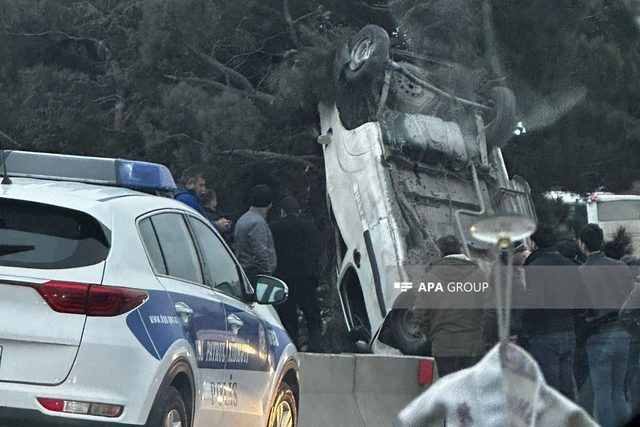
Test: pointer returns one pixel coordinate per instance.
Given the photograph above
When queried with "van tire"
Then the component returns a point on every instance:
(168, 403)
(368, 54)
(502, 123)
(407, 336)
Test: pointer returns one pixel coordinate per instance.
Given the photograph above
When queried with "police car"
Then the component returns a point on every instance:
(119, 307)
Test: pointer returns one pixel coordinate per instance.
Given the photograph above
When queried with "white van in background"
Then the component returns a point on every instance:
(610, 211)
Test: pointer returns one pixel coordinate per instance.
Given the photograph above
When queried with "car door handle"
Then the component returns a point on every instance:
(234, 322)
(183, 310)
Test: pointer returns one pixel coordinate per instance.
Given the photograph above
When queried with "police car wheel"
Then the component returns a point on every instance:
(168, 410)
(284, 412)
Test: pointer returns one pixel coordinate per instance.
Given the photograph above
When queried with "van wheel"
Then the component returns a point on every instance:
(503, 117)
(406, 334)
(284, 412)
(368, 53)
(168, 410)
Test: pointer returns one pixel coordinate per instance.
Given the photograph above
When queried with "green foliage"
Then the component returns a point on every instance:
(624, 240)
(592, 44)
(188, 81)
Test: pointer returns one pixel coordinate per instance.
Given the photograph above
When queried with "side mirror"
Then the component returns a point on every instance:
(270, 290)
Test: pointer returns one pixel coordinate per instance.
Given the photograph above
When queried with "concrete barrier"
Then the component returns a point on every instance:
(359, 390)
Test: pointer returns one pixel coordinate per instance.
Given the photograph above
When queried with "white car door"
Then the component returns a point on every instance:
(249, 363)
(197, 310)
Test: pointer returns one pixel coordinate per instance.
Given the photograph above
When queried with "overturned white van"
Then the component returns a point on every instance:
(407, 162)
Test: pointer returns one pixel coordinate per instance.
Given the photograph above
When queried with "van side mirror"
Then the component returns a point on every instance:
(270, 290)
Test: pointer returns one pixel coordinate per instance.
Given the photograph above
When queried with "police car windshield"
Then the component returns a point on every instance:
(34, 235)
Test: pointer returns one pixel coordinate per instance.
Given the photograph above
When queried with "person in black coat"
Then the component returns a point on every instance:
(554, 290)
(297, 243)
(209, 201)
(609, 284)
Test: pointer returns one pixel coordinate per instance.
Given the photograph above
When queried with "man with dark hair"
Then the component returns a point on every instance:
(609, 284)
(613, 249)
(449, 245)
(457, 336)
(554, 287)
(297, 244)
(193, 187)
(569, 249)
(209, 200)
(252, 238)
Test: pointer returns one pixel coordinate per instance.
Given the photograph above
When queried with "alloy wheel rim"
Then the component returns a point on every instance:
(361, 53)
(173, 419)
(410, 327)
(282, 415)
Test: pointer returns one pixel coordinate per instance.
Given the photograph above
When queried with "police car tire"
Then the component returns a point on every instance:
(284, 395)
(168, 400)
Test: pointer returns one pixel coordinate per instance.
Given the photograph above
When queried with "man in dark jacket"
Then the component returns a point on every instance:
(457, 335)
(297, 244)
(554, 289)
(209, 200)
(609, 283)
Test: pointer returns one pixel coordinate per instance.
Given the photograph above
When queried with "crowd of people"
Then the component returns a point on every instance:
(575, 310)
(575, 302)
(287, 248)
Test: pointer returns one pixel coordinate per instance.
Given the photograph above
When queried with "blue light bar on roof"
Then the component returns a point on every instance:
(131, 174)
(144, 176)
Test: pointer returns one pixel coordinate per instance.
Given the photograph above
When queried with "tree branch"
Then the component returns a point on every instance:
(48, 33)
(227, 71)
(306, 161)
(317, 11)
(253, 94)
(490, 40)
(184, 135)
(291, 23)
(11, 140)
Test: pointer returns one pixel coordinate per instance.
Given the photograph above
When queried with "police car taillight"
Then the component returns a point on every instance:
(107, 301)
(84, 408)
(91, 300)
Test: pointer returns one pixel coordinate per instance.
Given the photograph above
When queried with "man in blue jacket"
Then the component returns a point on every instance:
(194, 186)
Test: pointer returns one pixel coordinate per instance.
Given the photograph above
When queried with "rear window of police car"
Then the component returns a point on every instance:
(35, 235)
